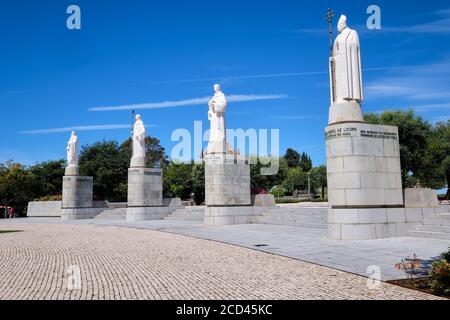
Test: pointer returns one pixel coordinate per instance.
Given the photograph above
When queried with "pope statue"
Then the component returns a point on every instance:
(345, 66)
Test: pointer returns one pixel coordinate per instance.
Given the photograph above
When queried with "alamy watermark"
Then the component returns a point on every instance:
(261, 145)
(73, 21)
(374, 279)
(374, 21)
(73, 273)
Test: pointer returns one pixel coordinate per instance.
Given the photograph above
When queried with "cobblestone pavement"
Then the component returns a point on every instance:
(124, 263)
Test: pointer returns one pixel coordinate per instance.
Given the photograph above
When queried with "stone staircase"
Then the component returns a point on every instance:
(112, 214)
(436, 226)
(308, 217)
(187, 214)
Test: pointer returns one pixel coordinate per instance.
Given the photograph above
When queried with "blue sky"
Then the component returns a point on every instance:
(156, 52)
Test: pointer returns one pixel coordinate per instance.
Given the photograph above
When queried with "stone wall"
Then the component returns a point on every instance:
(420, 198)
(44, 209)
(263, 200)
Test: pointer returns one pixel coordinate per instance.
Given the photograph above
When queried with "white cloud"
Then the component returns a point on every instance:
(441, 25)
(430, 107)
(424, 83)
(189, 102)
(294, 117)
(81, 128)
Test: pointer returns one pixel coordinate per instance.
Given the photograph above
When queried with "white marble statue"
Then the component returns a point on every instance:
(345, 66)
(72, 151)
(139, 134)
(216, 115)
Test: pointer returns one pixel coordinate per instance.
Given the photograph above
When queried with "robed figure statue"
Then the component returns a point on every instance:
(345, 66)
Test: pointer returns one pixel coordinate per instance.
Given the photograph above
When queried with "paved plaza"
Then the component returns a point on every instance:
(130, 262)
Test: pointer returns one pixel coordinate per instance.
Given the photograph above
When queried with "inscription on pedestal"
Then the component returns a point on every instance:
(351, 131)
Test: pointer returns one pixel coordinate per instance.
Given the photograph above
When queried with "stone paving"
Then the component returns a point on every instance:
(125, 263)
(306, 244)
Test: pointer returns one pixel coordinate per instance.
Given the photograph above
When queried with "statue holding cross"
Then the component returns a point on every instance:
(345, 64)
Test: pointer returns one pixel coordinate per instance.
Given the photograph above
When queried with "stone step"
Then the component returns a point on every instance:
(295, 216)
(436, 222)
(187, 214)
(112, 214)
(433, 228)
(301, 209)
(294, 224)
(284, 219)
(439, 216)
(429, 234)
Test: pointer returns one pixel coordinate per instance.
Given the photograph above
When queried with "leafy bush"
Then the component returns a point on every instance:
(57, 197)
(277, 192)
(440, 277)
(446, 256)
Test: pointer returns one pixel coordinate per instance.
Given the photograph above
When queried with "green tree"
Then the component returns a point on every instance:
(177, 180)
(105, 162)
(296, 179)
(439, 150)
(198, 182)
(47, 177)
(16, 186)
(319, 179)
(305, 162)
(414, 136)
(292, 158)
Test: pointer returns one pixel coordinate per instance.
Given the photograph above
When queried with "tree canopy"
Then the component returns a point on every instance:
(424, 147)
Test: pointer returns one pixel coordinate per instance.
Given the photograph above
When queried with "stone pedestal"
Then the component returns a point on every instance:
(145, 194)
(364, 179)
(345, 112)
(71, 171)
(144, 187)
(77, 198)
(137, 162)
(227, 180)
(227, 190)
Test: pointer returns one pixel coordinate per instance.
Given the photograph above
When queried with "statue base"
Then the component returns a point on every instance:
(227, 180)
(137, 162)
(227, 190)
(77, 198)
(348, 111)
(364, 181)
(219, 147)
(71, 171)
(144, 187)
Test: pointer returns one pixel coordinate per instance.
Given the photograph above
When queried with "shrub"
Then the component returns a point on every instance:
(278, 192)
(57, 197)
(409, 266)
(440, 277)
(446, 256)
